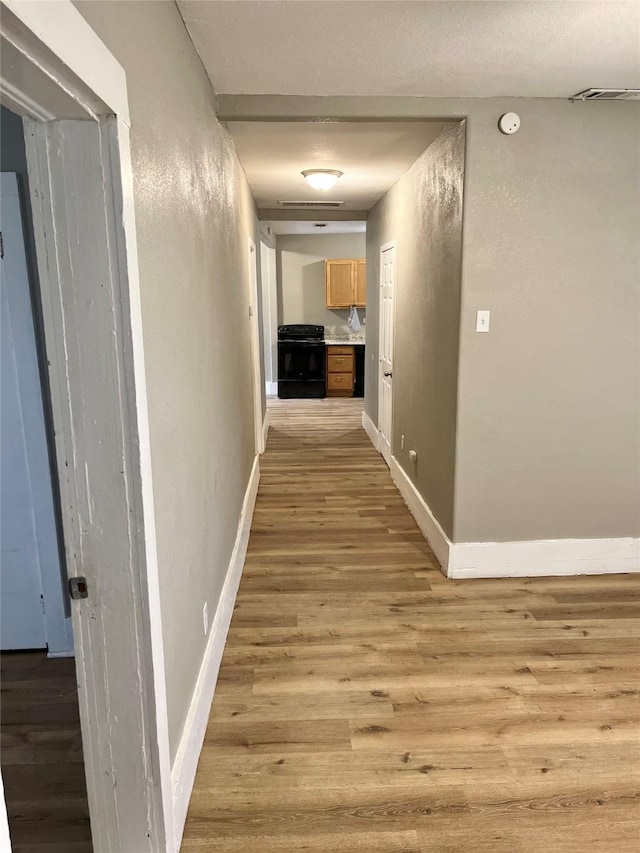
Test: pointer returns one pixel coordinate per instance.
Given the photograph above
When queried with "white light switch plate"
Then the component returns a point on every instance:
(483, 319)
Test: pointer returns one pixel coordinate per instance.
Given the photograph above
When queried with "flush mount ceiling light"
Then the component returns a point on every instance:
(321, 179)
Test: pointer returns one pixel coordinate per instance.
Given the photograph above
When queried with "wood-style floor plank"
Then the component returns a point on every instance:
(41, 754)
(368, 704)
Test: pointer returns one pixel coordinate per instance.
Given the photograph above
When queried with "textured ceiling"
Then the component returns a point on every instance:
(437, 49)
(372, 155)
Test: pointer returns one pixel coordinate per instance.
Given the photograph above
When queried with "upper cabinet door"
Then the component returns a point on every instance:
(339, 283)
(360, 278)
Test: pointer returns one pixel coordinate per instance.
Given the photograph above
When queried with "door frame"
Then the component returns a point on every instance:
(260, 424)
(391, 244)
(72, 95)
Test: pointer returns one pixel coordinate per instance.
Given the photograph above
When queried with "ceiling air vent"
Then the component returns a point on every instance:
(608, 95)
(311, 205)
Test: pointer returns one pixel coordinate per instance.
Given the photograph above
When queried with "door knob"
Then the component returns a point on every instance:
(388, 373)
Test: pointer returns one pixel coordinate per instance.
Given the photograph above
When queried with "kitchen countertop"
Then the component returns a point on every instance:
(349, 342)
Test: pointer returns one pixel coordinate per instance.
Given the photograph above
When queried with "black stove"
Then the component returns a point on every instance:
(304, 332)
(301, 361)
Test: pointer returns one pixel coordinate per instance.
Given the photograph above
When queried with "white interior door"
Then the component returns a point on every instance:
(387, 317)
(255, 348)
(22, 620)
(269, 317)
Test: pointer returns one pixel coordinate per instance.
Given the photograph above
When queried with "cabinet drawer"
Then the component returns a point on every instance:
(340, 363)
(335, 350)
(339, 381)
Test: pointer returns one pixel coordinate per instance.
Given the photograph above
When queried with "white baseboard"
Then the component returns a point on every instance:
(265, 430)
(438, 540)
(544, 557)
(271, 389)
(371, 430)
(537, 558)
(186, 761)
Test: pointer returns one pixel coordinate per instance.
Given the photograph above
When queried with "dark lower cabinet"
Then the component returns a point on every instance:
(358, 385)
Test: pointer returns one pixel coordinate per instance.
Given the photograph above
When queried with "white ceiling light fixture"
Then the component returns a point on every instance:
(322, 179)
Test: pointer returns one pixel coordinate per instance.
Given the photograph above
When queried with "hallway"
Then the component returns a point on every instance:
(366, 703)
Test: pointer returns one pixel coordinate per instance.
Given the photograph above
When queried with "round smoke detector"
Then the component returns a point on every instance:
(509, 123)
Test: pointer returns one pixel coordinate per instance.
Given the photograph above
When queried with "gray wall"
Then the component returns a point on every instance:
(194, 218)
(423, 213)
(548, 415)
(301, 281)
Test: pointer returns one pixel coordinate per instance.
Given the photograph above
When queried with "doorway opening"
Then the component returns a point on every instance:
(386, 335)
(319, 296)
(260, 424)
(268, 279)
(39, 711)
(76, 141)
(340, 294)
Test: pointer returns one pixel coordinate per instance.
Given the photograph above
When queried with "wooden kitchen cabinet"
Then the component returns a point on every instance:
(361, 283)
(340, 385)
(345, 283)
(340, 371)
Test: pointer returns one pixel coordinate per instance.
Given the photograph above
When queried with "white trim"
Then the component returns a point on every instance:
(544, 557)
(69, 52)
(438, 540)
(536, 558)
(265, 430)
(271, 389)
(85, 387)
(186, 761)
(156, 638)
(19, 102)
(371, 430)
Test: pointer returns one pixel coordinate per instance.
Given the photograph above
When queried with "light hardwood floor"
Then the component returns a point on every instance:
(366, 703)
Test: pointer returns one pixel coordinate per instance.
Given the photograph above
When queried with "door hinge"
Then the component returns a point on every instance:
(1, 246)
(78, 588)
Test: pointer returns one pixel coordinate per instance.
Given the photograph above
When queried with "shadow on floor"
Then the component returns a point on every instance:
(42, 760)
